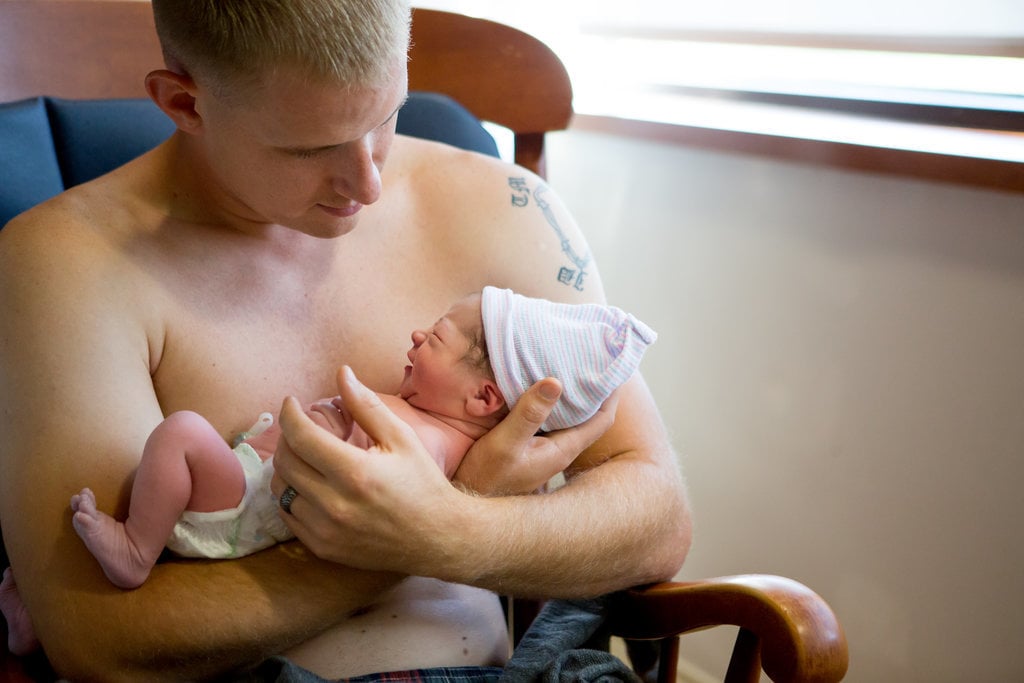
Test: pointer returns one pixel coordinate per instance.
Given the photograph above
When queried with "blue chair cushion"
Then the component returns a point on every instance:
(29, 172)
(94, 137)
(438, 117)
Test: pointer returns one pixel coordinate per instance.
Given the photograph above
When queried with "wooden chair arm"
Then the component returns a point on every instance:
(785, 628)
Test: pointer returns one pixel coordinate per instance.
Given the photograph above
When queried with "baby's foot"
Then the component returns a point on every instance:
(21, 637)
(107, 540)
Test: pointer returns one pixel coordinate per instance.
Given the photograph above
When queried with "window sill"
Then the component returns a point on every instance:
(991, 159)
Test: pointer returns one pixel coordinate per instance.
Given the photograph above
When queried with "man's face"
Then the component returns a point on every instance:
(301, 153)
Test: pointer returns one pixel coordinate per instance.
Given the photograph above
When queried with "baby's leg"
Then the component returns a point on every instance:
(21, 637)
(186, 465)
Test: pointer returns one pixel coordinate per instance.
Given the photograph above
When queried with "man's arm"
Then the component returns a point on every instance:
(76, 406)
(622, 519)
(622, 522)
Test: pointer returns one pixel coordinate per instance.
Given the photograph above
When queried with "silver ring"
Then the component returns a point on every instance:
(287, 496)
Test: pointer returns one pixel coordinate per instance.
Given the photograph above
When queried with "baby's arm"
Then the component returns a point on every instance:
(186, 465)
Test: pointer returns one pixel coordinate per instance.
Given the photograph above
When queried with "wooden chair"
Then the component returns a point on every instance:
(93, 49)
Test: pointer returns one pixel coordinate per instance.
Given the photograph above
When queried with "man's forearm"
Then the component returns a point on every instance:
(621, 524)
(247, 609)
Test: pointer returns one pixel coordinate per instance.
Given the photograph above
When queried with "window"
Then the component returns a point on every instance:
(977, 18)
(943, 60)
(796, 68)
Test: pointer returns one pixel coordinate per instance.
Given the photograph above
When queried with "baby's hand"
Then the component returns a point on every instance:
(332, 415)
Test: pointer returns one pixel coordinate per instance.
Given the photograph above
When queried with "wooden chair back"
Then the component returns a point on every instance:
(499, 73)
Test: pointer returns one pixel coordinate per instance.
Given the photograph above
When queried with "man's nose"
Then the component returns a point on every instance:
(357, 176)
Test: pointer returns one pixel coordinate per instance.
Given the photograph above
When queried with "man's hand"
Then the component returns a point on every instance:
(513, 459)
(378, 508)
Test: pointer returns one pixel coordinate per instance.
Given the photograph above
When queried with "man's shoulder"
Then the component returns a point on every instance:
(72, 215)
(462, 192)
(427, 163)
(71, 239)
(501, 224)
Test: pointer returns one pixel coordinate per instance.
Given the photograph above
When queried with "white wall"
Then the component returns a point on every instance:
(841, 363)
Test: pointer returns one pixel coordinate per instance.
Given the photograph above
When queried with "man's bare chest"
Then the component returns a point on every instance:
(242, 327)
(230, 370)
(230, 358)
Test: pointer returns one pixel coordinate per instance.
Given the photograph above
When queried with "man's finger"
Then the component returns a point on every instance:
(376, 419)
(311, 451)
(532, 408)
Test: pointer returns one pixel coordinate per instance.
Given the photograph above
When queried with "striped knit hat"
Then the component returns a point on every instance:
(591, 349)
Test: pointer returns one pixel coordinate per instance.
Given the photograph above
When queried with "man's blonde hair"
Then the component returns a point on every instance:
(231, 43)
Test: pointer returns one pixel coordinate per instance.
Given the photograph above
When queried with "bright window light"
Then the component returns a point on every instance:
(610, 46)
(764, 67)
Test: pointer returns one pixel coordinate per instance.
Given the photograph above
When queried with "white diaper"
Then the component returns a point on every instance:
(250, 526)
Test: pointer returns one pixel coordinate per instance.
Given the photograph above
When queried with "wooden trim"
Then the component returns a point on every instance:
(1005, 174)
(962, 110)
(76, 50)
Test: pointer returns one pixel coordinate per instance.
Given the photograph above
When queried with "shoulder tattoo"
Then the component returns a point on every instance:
(574, 272)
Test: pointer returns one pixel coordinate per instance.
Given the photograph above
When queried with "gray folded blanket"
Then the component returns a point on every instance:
(554, 648)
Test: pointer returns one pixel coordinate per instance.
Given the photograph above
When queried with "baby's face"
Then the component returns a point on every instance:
(437, 377)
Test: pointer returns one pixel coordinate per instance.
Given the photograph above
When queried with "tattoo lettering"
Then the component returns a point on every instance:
(568, 276)
(520, 192)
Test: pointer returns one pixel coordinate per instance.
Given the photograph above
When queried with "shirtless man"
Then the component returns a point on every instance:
(216, 274)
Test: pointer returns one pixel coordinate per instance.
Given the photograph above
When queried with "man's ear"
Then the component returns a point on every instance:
(174, 93)
(487, 400)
